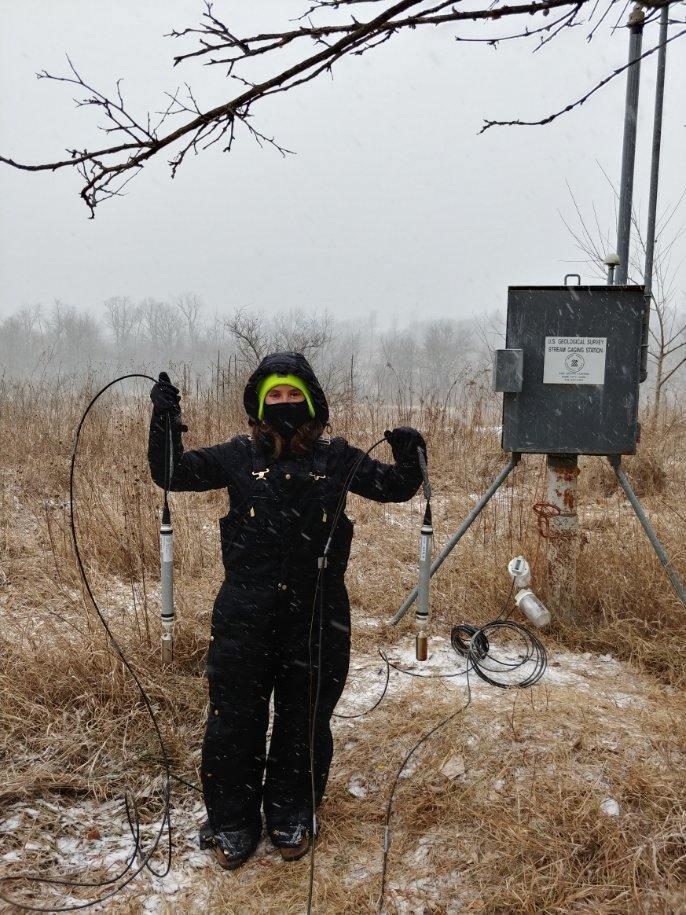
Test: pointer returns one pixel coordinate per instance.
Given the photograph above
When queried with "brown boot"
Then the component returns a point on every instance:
(293, 840)
(230, 848)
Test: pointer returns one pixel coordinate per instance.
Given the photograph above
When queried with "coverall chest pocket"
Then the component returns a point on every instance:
(229, 527)
(248, 533)
(316, 511)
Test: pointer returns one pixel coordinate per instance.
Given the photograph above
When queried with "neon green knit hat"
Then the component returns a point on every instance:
(272, 381)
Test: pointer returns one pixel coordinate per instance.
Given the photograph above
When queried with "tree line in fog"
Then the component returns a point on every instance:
(365, 357)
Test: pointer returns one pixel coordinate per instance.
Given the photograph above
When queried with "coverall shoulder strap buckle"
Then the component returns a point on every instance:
(259, 464)
(319, 458)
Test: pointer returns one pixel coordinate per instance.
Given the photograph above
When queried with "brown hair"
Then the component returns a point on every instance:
(302, 442)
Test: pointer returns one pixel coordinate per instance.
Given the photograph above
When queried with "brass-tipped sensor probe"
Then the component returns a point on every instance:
(423, 586)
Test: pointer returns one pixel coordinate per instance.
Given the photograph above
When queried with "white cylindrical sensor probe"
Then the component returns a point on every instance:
(422, 610)
(167, 587)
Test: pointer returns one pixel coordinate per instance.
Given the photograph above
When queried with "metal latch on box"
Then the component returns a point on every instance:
(508, 370)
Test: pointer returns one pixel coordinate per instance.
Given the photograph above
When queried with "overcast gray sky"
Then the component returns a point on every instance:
(393, 202)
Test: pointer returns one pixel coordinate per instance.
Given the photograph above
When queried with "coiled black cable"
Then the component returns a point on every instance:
(477, 650)
(469, 641)
(128, 873)
(473, 644)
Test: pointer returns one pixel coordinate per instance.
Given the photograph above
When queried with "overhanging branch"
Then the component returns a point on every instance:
(107, 169)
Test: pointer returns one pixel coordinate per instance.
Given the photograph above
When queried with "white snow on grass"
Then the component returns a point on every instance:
(90, 840)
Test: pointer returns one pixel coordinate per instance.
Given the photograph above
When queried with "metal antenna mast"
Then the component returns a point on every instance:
(626, 186)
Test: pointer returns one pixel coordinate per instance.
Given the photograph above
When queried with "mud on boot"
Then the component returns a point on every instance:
(231, 847)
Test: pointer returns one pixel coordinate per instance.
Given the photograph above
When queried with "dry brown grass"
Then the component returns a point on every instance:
(520, 831)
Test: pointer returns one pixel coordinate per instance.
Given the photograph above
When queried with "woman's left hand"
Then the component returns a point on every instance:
(404, 442)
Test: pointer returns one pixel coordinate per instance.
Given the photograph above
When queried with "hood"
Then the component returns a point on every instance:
(286, 364)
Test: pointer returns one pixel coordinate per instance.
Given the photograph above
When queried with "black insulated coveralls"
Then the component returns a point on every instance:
(265, 624)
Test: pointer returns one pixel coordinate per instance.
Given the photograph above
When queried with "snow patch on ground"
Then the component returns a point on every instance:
(92, 840)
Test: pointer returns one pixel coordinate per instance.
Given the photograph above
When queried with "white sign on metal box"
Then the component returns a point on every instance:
(574, 360)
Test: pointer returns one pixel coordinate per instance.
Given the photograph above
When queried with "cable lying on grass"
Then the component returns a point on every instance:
(520, 662)
(129, 872)
(476, 651)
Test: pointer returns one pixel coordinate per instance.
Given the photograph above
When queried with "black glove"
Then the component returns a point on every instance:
(404, 442)
(165, 397)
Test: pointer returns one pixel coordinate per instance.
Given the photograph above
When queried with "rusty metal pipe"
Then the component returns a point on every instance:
(562, 471)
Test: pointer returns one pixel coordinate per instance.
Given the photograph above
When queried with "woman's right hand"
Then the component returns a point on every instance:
(404, 442)
(165, 397)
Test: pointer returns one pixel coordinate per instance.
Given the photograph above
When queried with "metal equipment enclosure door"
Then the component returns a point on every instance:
(578, 351)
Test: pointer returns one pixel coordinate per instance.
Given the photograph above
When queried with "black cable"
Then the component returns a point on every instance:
(133, 820)
(427, 492)
(426, 486)
(473, 644)
(426, 483)
(410, 673)
(380, 699)
(475, 651)
(184, 781)
(394, 785)
(478, 649)
(312, 712)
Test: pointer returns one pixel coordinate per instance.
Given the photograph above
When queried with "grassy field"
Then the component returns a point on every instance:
(503, 810)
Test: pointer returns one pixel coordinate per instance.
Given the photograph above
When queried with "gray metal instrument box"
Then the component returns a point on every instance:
(570, 373)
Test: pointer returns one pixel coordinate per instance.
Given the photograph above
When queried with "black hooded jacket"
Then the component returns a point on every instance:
(280, 511)
(286, 364)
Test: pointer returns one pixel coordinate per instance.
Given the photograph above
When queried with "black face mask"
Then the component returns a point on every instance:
(286, 418)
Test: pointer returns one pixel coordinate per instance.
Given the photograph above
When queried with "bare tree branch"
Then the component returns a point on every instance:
(315, 47)
(673, 370)
(667, 330)
(582, 99)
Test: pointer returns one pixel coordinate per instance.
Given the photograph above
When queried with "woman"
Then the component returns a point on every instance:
(284, 483)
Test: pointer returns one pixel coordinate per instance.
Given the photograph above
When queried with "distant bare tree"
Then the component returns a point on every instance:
(307, 334)
(667, 348)
(489, 334)
(123, 319)
(250, 334)
(31, 319)
(22, 340)
(401, 353)
(667, 335)
(256, 336)
(67, 325)
(215, 332)
(326, 32)
(447, 347)
(74, 336)
(161, 322)
(190, 307)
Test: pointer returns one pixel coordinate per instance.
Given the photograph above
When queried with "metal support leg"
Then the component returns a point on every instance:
(677, 584)
(464, 527)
